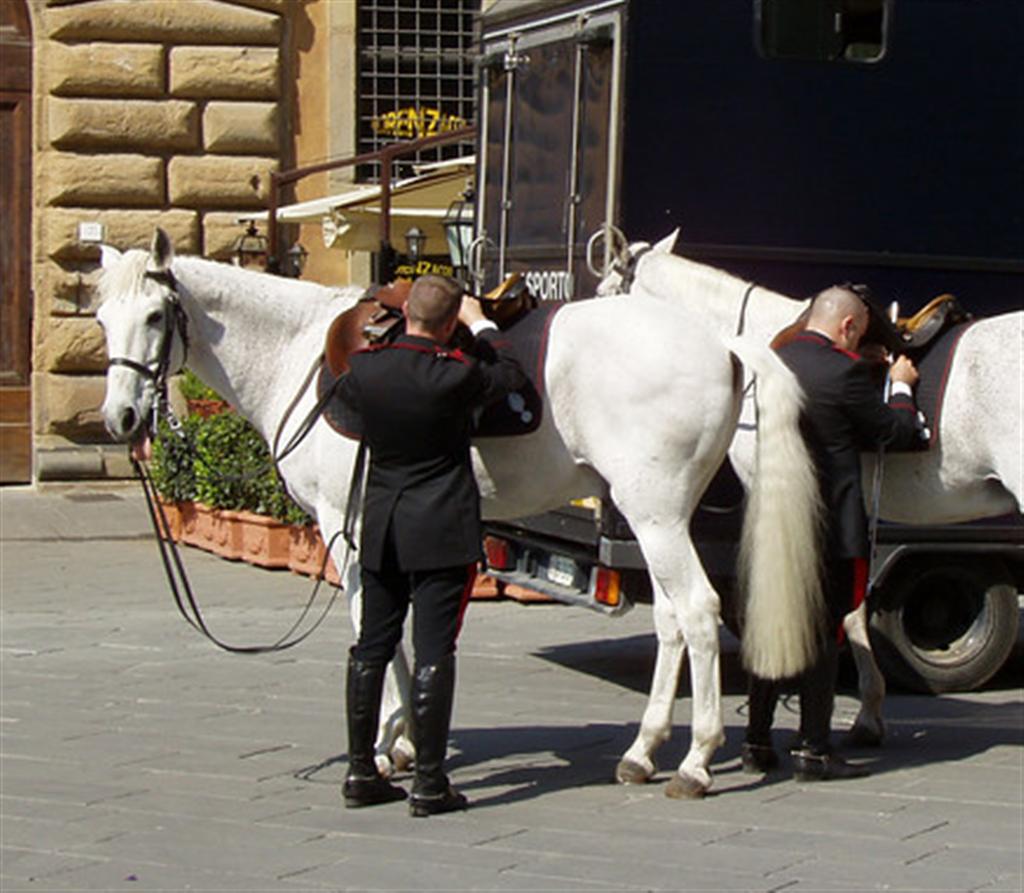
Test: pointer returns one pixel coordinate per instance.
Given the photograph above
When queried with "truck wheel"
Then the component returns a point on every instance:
(945, 624)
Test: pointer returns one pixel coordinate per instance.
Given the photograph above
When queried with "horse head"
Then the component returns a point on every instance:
(623, 272)
(145, 331)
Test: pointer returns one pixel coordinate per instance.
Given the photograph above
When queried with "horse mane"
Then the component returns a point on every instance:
(656, 266)
(126, 276)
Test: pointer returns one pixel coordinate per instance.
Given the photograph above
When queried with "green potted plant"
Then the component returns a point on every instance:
(201, 400)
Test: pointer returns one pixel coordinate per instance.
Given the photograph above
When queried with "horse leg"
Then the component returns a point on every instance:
(395, 751)
(698, 616)
(868, 729)
(637, 764)
(686, 614)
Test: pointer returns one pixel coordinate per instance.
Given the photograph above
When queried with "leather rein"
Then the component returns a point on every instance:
(175, 321)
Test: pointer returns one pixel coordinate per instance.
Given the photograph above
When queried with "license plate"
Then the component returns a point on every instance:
(561, 570)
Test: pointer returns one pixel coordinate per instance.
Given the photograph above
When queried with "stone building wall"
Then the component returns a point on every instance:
(147, 112)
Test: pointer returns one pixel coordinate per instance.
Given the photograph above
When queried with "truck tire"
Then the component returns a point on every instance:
(945, 624)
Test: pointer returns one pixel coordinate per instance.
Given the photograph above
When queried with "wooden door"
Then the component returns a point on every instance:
(15, 243)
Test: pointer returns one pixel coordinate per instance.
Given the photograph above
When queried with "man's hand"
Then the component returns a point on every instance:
(470, 312)
(905, 371)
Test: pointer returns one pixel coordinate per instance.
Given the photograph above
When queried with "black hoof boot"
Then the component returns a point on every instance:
(359, 792)
(422, 805)
(809, 766)
(758, 759)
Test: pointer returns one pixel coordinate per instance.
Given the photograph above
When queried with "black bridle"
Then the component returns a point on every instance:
(157, 371)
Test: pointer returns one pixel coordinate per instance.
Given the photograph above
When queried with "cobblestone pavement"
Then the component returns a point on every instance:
(135, 756)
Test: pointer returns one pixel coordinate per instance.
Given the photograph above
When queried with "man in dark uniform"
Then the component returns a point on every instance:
(421, 534)
(844, 414)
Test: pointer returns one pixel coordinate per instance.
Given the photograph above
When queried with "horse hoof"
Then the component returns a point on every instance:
(629, 772)
(685, 787)
(863, 736)
(401, 759)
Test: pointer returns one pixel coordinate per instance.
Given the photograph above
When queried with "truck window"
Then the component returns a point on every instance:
(822, 30)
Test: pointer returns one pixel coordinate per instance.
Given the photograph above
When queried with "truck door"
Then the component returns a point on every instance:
(548, 146)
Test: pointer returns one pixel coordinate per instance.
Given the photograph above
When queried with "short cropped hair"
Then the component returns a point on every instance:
(837, 301)
(433, 302)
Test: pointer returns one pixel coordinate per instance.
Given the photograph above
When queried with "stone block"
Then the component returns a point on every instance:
(225, 72)
(240, 127)
(69, 405)
(102, 180)
(73, 344)
(165, 21)
(144, 125)
(104, 69)
(122, 229)
(220, 181)
(221, 230)
(66, 290)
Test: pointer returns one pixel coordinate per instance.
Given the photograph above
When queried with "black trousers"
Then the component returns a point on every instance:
(816, 685)
(438, 598)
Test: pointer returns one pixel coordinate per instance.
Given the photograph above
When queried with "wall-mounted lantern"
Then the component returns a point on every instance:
(458, 227)
(250, 249)
(415, 241)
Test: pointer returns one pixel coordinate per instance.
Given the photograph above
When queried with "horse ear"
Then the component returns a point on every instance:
(666, 245)
(161, 251)
(109, 255)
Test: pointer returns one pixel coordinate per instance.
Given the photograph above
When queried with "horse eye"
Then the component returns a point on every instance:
(155, 318)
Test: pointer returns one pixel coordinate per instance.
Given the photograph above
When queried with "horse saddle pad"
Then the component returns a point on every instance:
(934, 362)
(518, 413)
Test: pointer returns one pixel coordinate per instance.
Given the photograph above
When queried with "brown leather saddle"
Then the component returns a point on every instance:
(378, 317)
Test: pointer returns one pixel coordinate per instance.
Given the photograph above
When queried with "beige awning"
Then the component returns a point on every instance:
(350, 220)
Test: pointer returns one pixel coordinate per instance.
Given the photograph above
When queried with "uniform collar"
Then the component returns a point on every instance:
(419, 341)
(821, 338)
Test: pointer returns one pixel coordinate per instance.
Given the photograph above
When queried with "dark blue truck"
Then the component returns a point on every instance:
(797, 143)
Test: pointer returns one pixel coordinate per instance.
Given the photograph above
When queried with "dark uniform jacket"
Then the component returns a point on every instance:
(414, 401)
(844, 415)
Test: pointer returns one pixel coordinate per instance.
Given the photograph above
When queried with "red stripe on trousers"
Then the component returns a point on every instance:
(466, 593)
(860, 591)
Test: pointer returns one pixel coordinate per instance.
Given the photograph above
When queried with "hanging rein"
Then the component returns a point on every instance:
(175, 321)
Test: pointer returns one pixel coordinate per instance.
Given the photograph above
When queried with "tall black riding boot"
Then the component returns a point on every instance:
(815, 760)
(364, 785)
(757, 754)
(433, 690)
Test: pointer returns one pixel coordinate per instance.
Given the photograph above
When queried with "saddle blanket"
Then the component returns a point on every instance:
(933, 364)
(518, 413)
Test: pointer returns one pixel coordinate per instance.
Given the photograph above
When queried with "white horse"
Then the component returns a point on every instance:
(976, 469)
(640, 403)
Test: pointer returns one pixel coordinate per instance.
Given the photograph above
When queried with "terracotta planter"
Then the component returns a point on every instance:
(307, 553)
(211, 529)
(190, 524)
(172, 516)
(527, 596)
(224, 534)
(206, 408)
(486, 586)
(262, 540)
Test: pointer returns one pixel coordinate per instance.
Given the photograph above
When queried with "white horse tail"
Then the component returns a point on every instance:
(780, 570)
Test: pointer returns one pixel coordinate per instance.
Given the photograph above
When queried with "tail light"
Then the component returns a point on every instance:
(607, 587)
(498, 553)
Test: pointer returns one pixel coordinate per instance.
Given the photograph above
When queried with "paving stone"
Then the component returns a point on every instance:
(134, 755)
